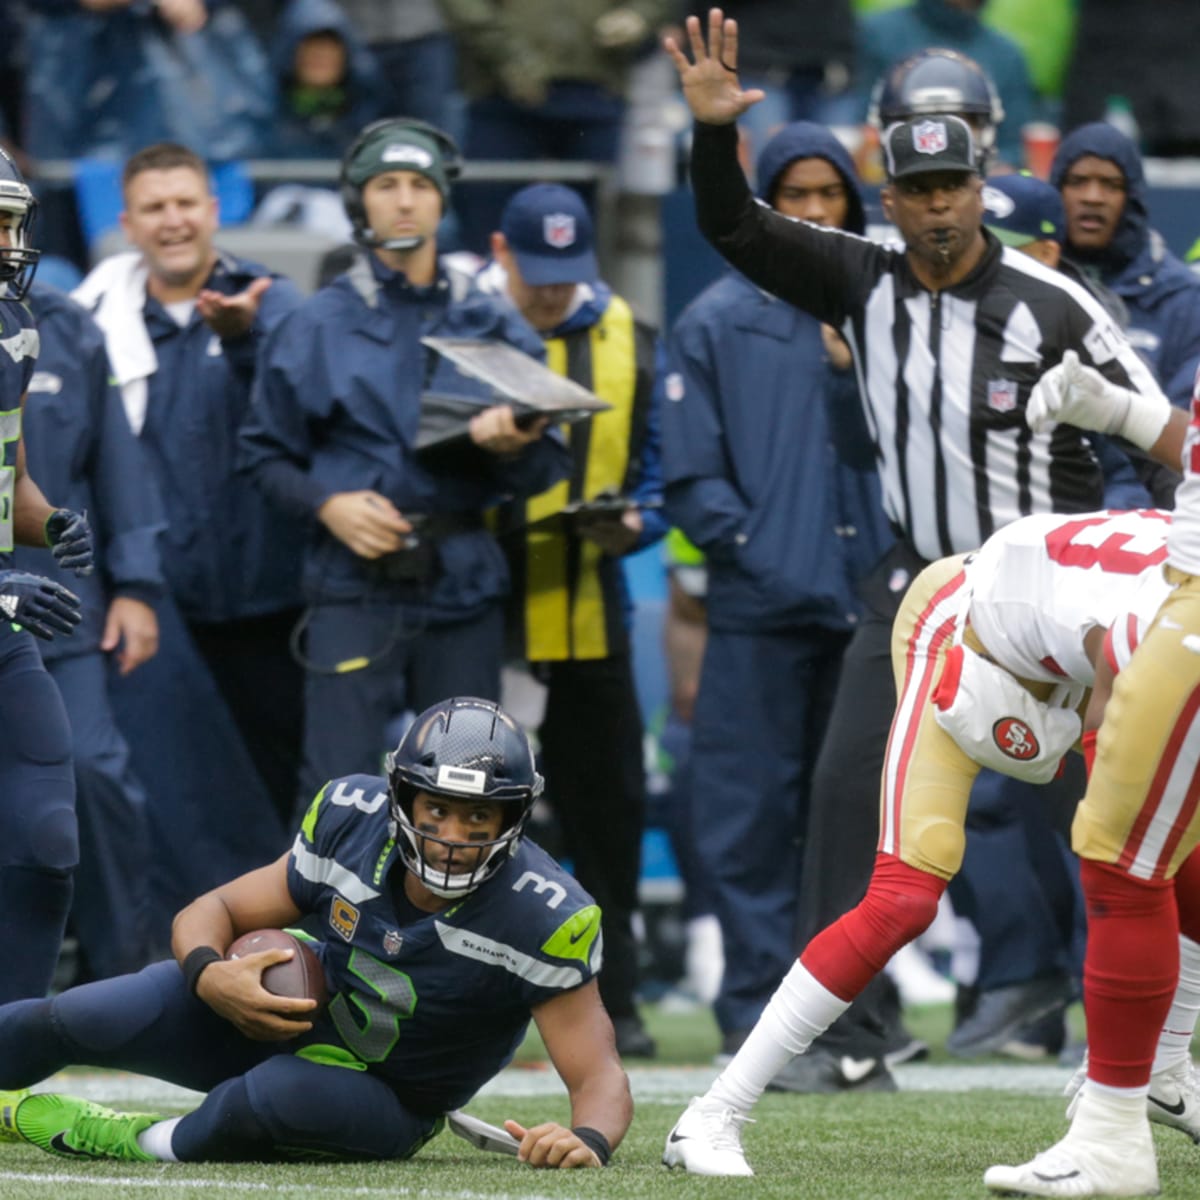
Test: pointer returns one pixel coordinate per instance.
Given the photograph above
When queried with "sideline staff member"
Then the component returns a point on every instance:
(400, 616)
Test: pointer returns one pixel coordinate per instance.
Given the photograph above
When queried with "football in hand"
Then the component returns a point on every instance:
(301, 977)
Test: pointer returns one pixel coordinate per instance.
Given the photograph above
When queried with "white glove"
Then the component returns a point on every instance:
(1074, 394)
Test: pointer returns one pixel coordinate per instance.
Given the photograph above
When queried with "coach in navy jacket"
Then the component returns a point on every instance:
(753, 478)
(336, 412)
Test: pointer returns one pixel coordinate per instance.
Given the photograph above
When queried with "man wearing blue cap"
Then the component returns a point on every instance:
(569, 605)
(1026, 213)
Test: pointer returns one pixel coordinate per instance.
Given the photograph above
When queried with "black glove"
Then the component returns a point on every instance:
(69, 537)
(38, 604)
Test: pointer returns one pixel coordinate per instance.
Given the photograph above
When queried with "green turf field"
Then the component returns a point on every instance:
(930, 1141)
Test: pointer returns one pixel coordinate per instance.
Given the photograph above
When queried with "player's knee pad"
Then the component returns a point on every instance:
(53, 836)
(901, 901)
(940, 844)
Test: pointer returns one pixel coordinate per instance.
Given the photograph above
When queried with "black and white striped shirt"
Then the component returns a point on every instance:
(944, 376)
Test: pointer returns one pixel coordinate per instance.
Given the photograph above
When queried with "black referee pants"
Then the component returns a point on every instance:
(591, 740)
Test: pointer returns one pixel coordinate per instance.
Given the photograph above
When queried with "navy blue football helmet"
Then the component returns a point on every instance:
(18, 261)
(938, 82)
(462, 749)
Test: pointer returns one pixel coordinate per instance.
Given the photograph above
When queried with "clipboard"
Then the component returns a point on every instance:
(514, 377)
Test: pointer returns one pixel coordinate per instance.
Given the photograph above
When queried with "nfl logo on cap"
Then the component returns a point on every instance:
(559, 230)
(930, 137)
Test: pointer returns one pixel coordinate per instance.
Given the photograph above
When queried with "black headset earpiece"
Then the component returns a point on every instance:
(451, 156)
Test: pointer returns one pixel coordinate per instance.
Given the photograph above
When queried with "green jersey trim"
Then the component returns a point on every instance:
(331, 1056)
(576, 936)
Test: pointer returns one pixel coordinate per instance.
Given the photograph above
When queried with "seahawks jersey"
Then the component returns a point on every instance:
(436, 1003)
(1040, 584)
(18, 354)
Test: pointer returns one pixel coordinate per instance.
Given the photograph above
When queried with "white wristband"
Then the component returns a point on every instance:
(1145, 418)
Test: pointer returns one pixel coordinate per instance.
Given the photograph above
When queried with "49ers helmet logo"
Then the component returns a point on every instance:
(1015, 739)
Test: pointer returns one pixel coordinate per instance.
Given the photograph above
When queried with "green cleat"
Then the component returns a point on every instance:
(80, 1129)
(8, 1115)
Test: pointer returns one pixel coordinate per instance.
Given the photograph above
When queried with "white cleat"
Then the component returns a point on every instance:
(1174, 1098)
(1108, 1151)
(1076, 1170)
(707, 1140)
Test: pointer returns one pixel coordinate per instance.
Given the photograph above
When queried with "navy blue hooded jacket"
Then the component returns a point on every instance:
(296, 134)
(1161, 294)
(336, 409)
(752, 415)
(84, 456)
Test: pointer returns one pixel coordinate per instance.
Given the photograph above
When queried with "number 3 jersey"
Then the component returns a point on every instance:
(435, 1003)
(1040, 584)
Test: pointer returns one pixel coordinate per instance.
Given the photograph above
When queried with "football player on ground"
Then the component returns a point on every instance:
(39, 838)
(993, 655)
(1137, 824)
(441, 932)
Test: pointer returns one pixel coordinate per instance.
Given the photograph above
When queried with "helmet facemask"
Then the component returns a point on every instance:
(18, 261)
(468, 750)
(467, 864)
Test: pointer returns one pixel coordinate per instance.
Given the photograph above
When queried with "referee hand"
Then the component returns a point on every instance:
(710, 84)
(1074, 394)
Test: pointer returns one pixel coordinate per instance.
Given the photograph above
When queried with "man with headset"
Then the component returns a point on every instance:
(404, 583)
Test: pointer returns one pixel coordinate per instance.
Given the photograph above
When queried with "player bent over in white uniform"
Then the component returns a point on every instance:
(1135, 827)
(993, 655)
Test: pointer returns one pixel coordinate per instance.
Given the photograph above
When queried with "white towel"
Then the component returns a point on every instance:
(115, 294)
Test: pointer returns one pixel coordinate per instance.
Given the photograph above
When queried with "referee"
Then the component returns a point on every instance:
(948, 338)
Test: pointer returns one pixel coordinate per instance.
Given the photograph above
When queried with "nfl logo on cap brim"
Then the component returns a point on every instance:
(930, 137)
(559, 230)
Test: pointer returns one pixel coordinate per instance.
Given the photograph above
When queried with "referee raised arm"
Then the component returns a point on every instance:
(948, 336)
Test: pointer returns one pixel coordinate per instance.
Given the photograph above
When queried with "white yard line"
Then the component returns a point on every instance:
(649, 1083)
(160, 1182)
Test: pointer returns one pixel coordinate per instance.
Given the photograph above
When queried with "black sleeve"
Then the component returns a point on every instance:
(825, 272)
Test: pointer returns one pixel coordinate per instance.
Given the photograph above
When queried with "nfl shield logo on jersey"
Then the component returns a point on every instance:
(1002, 395)
(559, 230)
(930, 137)
(392, 941)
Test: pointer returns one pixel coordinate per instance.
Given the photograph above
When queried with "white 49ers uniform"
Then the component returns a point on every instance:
(1141, 806)
(1019, 611)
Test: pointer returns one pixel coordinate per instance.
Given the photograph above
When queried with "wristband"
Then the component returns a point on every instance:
(1144, 419)
(595, 1141)
(195, 962)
